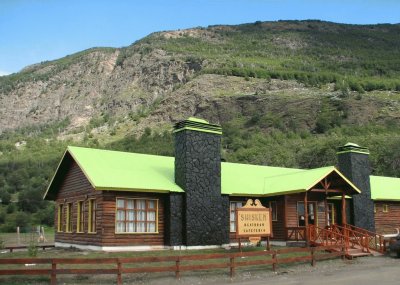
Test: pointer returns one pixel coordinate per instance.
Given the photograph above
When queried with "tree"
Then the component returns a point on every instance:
(5, 197)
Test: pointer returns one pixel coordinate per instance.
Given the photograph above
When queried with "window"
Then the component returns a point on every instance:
(136, 216)
(60, 218)
(274, 210)
(301, 214)
(385, 208)
(92, 216)
(69, 218)
(232, 216)
(80, 217)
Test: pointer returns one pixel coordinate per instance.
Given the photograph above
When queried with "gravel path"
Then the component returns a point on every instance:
(382, 270)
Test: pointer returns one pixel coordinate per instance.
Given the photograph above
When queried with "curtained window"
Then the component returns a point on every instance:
(136, 216)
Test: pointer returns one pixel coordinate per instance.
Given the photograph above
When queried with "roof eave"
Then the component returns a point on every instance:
(334, 169)
(55, 174)
(107, 188)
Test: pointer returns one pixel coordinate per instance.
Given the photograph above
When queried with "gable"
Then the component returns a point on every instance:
(114, 170)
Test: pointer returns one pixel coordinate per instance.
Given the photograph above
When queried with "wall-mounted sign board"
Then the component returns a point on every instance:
(253, 221)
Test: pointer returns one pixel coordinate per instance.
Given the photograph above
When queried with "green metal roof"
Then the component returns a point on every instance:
(245, 179)
(125, 171)
(115, 170)
(385, 188)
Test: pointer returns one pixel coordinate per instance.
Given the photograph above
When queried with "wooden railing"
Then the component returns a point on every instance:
(296, 233)
(370, 240)
(351, 237)
(176, 264)
(328, 237)
(348, 236)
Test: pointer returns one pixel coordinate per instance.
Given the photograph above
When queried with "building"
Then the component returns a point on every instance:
(111, 200)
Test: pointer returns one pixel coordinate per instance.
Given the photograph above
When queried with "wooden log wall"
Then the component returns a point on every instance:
(76, 187)
(110, 238)
(386, 223)
(291, 208)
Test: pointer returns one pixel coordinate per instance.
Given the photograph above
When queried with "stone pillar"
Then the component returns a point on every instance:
(174, 219)
(354, 164)
(198, 172)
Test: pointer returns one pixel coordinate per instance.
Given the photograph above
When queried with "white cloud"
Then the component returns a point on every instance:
(2, 73)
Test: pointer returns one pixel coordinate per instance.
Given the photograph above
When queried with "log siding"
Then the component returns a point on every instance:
(387, 222)
(75, 188)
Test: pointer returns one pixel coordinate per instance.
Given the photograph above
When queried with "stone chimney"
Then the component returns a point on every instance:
(205, 215)
(354, 164)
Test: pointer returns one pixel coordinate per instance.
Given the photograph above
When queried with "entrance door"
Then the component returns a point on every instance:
(331, 214)
(312, 217)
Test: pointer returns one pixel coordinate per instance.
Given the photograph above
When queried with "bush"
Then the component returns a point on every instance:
(32, 247)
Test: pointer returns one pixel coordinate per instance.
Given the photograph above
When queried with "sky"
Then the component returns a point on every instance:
(32, 31)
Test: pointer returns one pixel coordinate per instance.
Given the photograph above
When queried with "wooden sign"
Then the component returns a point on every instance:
(253, 221)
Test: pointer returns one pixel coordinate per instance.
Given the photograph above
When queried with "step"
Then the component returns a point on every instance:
(296, 243)
(353, 253)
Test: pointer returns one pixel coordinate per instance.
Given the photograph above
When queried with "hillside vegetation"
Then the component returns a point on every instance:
(286, 93)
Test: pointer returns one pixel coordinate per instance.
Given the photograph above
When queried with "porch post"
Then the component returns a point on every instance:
(306, 218)
(326, 211)
(344, 220)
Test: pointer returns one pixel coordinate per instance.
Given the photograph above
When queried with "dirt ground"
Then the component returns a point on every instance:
(382, 270)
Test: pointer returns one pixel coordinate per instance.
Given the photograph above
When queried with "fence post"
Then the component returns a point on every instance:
(312, 256)
(274, 261)
(177, 271)
(53, 272)
(232, 266)
(119, 274)
(343, 252)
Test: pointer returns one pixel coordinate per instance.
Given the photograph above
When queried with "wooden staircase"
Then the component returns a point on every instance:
(356, 242)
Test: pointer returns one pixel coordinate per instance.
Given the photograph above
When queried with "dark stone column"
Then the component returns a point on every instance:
(174, 219)
(354, 164)
(198, 172)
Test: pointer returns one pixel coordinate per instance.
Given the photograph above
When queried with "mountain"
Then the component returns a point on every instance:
(287, 93)
(169, 67)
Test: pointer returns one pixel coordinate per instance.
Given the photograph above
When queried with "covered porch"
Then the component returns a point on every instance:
(317, 198)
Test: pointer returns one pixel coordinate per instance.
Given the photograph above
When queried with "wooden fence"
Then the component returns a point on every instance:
(175, 264)
(43, 247)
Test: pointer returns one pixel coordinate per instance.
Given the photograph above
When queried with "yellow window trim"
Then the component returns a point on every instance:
(78, 219)
(135, 233)
(68, 220)
(59, 218)
(90, 230)
(385, 208)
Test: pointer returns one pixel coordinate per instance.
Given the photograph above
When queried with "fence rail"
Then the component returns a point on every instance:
(175, 263)
(43, 247)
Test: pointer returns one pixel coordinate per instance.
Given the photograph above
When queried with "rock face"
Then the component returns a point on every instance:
(87, 85)
(198, 172)
(168, 76)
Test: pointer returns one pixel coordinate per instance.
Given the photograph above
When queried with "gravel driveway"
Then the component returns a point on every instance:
(382, 270)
